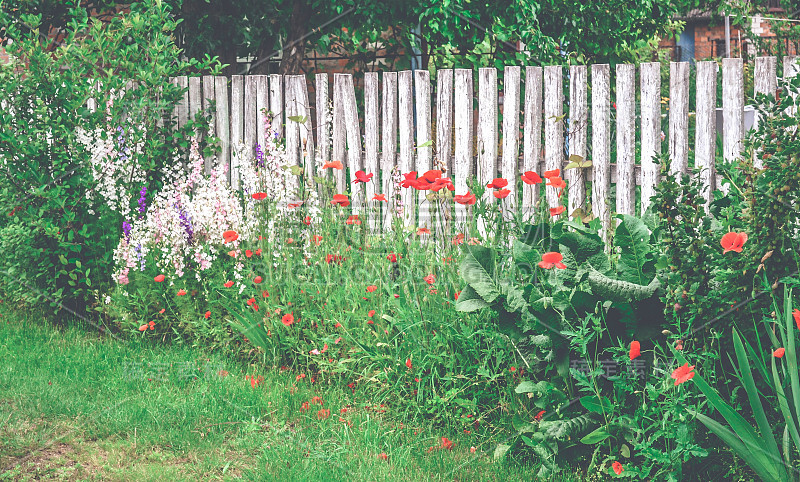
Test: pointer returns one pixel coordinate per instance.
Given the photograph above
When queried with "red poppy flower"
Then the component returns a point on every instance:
(557, 182)
(392, 257)
(551, 260)
(341, 200)
(265, 294)
(408, 364)
(733, 242)
(539, 415)
(323, 414)
(232, 253)
(305, 406)
(557, 211)
(333, 165)
(443, 182)
(152, 324)
(257, 280)
(362, 176)
(421, 184)
(779, 352)
(682, 374)
(208, 315)
(421, 231)
(635, 350)
(383, 456)
(432, 175)
(617, 467)
(530, 177)
(456, 295)
(371, 288)
(466, 199)
(317, 239)
(379, 197)
(288, 319)
(353, 220)
(295, 204)
(497, 183)
(796, 315)
(331, 258)
(371, 313)
(230, 236)
(258, 252)
(307, 220)
(446, 444)
(512, 369)
(143, 327)
(501, 194)
(181, 292)
(553, 173)
(248, 253)
(430, 279)
(458, 239)
(409, 179)
(259, 196)
(159, 278)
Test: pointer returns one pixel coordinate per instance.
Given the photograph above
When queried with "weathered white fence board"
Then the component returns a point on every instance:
(532, 137)
(406, 126)
(487, 128)
(424, 147)
(553, 126)
(601, 144)
(679, 117)
(510, 160)
(444, 119)
(705, 144)
(650, 82)
(626, 137)
(371, 143)
(463, 136)
(732, 109)
(578, 127)
(389, 144)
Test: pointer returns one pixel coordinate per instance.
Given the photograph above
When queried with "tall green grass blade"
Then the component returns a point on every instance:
(755, 399)
(783, 403)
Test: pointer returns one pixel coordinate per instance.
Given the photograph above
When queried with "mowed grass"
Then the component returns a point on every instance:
(77, 406)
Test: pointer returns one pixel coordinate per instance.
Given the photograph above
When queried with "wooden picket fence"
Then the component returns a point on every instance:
(397, 126)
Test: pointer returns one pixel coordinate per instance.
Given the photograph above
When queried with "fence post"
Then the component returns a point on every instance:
(276, 102)
(444, 119)
(208, 98)
(251, 114)
(487, 127)
(262, 102)
(705, 144)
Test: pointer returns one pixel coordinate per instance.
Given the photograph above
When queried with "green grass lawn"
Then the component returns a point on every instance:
(80, 407)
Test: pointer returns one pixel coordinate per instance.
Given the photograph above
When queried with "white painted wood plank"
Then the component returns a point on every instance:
(578, 133)
(553, 126)
(679, 117)
(208, 99)
(765, 81)
(705, 144)
(223, 123)
(389, 170)
(650, 84)
(487, 128)
(444, 118)
(195, 96)
(251, 114)
(463, 137)
(262, 104)
(276, 102)
(732, 111)
(510, 159)
(339, 133)
(237, 128)
(182, 107)
(601, 146)
(532, 148)
(626, 138)
(422, 89)
(354, 147)
(323, 118)
(306, 129)
(406, 126)
(371, 146)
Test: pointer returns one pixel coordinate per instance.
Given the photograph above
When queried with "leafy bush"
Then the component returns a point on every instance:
(83, 119)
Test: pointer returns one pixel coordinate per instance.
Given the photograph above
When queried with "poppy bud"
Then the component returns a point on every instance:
(676, 306)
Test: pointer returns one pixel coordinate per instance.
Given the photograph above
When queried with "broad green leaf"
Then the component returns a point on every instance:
(636, 258)
(300, 119)
(596, 436)
(592, 404)
(618, 290)
(468, 300)
(426, 144)
(477, 269)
